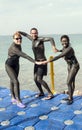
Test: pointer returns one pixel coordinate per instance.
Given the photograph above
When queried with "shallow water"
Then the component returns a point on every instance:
(26, 67)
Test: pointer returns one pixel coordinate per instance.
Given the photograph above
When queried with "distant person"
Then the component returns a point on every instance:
(39, 53)
(12, 68)
(73, 65)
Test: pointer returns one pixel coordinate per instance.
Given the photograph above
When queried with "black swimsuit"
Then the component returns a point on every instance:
(73, 67)
(39, 54)
(12, 67)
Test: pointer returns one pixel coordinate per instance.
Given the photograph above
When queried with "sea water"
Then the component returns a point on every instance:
(26, 67)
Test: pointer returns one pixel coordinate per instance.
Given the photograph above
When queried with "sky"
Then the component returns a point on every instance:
(49, 16)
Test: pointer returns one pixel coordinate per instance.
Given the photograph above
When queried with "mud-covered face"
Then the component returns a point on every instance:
(65, 42)
(17, 39)
(34, 34)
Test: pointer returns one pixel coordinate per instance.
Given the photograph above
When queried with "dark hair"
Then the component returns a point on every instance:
(33, 29)
(65, 36)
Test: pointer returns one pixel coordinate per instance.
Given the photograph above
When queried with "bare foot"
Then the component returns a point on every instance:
(50, 96)
(39, 95)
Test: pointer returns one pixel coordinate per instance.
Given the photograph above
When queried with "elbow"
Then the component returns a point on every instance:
(52, 39)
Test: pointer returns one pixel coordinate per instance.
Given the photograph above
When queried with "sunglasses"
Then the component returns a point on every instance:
(34, 33)
(18, 38)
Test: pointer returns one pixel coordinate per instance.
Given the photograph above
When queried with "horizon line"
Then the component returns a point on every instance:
(48, 34)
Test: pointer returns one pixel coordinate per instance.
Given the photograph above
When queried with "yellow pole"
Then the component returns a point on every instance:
(52, 76)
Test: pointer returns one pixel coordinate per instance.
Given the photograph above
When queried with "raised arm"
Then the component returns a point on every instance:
(46, 39)
(26, 35)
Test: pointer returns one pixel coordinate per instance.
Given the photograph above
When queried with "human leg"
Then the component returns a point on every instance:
(13, 98)
(14, 83)
(45, 85)
(40, 71)
(71, 81)
(39, 86)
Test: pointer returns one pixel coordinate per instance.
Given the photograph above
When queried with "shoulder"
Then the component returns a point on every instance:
(40, 38)
(45, 38)
(69, 48)
(11, 46)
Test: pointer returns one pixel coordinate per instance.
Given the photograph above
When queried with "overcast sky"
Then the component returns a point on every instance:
(49, 16)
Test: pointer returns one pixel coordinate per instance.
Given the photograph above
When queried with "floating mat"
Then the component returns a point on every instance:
(13, 128)
(73, 127)
(39, 114)
(49, 125)
(4, 92)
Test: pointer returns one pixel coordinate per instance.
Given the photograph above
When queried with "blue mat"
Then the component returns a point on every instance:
(39, 114)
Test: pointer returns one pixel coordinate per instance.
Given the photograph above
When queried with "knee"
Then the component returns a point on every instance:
(15, 81)
(68, 83)
(39, 79)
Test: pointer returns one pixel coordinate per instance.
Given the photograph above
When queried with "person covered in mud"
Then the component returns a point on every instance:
(12, 68)
(73, 66)
(39, 54)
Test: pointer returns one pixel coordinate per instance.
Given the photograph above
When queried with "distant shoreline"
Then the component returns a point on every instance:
(46, 34)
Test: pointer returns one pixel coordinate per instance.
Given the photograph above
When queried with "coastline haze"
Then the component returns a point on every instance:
(49, 16)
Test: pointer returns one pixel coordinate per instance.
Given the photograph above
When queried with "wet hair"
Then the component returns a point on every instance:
(16, 34)
(33, 29)
(65, 36)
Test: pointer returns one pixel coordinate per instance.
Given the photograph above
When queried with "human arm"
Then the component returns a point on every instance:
(25, 34)
(22, 54)
(41, 62)
(64, 53)
(60, 51)
(46, 39)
